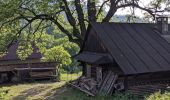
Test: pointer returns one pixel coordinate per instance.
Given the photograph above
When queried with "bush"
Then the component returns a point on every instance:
(3, 93)
(159, 96)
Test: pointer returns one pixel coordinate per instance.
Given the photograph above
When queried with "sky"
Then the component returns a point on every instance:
(126, 11)
(138, 12)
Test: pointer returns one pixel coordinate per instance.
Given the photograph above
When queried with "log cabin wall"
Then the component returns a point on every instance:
(159, 77)
(17, 61)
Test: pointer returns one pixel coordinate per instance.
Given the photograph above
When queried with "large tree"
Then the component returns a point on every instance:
(71, 17)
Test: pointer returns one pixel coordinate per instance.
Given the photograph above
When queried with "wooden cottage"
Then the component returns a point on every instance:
(137, 53)
(14, 69)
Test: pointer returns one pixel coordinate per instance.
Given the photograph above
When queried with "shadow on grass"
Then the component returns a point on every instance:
(56, 93)
(27, 82)
(30, 92)
(69, 93)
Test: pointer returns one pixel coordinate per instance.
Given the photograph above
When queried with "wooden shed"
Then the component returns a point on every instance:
(138, 53)
(14, 69)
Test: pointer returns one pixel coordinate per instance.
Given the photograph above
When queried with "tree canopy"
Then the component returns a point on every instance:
(58, 54)
(70, 17)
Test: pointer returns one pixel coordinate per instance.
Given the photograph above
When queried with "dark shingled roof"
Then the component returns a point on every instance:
(11, 55)
(136, 47)
(94, 58)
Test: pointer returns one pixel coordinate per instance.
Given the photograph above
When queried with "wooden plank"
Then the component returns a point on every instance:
(85, 91)
(88, 71)
(99, 74)
(104, 82)
(112, 84)
(108, 83)
(47, 68)
(41, 74)
(11, 67)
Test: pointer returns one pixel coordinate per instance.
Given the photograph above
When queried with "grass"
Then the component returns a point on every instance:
(60, 91)
(53, 91)
(30, 90)
(159, 96)
(70, 77)
(72, 94)
(36, 90)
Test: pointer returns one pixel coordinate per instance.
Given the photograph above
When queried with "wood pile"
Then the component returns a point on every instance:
(92, 87)
(111, 83)
(88, 84)
(107, 85)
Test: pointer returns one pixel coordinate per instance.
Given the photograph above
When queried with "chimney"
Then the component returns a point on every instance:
(162, 25)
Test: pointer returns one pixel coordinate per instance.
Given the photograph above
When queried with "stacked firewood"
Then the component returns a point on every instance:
(110, 84)
(88, 84)
(107, 86)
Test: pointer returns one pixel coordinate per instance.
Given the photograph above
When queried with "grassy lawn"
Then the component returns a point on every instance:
(30, 91)
(60, 91)
(34, 91)
(51, 91)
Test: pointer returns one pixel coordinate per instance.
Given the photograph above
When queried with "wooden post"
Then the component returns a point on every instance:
(88, 71)
(98, 74)
(126, 83)
(83, 68)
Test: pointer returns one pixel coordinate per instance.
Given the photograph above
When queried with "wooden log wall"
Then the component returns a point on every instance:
(11, 67)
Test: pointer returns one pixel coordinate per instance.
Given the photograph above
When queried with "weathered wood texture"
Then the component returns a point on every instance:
(143, 90)
(88, 71)
(136, 47)
(11, 67)
(108, 83)
(99, 74)
(83, 90)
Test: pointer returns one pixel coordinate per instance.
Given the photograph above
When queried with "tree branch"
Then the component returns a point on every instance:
(80, 17)
(68, 14)
(91, 5)
(71, 19)
(101, 7)
(111, 11)
(69, 35)
(137, 6)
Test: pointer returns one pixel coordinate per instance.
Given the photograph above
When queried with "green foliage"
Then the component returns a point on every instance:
(5, 37)
(124, 96)
(8, 9)
(45, 41)
(24, 50)
(72, 48)
(58, 54)
(159, 96)
(3, 93)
